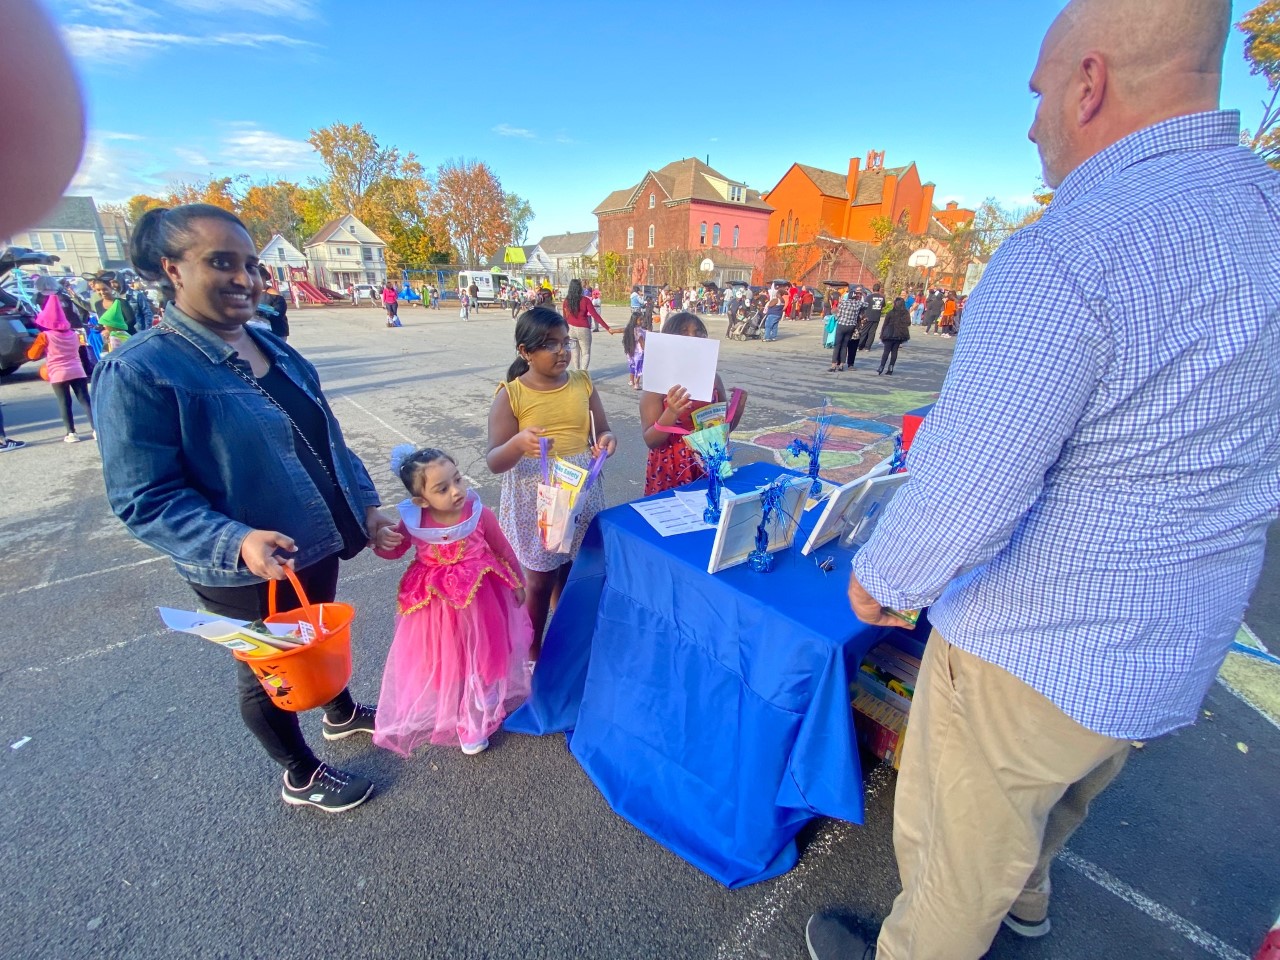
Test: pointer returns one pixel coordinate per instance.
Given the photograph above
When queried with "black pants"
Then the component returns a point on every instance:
(278, 730)
(890, 355)
(846, 342)
(63, 391)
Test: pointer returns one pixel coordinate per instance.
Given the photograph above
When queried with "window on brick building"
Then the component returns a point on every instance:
(702, 233)
(631, 238)
(651, 201)
(651, 234)
(735, 236)
(715, 234)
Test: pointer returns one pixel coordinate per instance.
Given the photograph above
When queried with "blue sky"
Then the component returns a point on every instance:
(567, 101)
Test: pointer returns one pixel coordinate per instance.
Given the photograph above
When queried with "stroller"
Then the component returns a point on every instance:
(747, 324)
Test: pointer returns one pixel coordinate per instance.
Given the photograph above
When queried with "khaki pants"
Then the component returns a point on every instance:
(994, 780)
(581, 337)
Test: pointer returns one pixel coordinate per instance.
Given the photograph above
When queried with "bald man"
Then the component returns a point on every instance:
(1089, 498)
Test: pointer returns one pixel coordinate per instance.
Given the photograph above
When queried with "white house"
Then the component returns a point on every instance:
(564, 256)
(346, 251)
(279, 255)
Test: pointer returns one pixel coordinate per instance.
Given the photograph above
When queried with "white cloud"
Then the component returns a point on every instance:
(193, 158)
(118, 44)
(506, 130)
(110, 172)
(288, 9)
(249, 147)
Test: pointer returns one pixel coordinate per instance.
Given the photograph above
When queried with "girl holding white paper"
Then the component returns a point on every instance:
(543, 399)
(665, 419)
(457, 663)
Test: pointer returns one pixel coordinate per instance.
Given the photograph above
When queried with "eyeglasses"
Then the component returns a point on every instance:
(557, 346)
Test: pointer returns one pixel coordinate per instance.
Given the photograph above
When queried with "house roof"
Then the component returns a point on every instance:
(289, 247)
(726, 261)
(326, 233)
(71, 213)
(831, 184)
(561, 244)
(687, 179)
(871, 184)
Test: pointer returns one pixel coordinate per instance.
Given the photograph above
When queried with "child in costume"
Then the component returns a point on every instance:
(457, 663)
(64, 367)
(633, 343)
(671, 462)
(542, 399)
(114, 327)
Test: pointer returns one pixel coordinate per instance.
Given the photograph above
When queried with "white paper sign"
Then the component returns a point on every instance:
(688, 362)
(670, 517)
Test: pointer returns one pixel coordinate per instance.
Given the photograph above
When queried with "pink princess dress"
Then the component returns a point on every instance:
(457, 663)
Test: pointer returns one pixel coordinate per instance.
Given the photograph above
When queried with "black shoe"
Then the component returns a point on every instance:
(889, 373)
(331, 790)
(1027, 928)
(11, 444)
(360, 722)
(831, 935)
(880, 371)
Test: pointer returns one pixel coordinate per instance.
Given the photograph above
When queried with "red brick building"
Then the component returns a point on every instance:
(679, 215)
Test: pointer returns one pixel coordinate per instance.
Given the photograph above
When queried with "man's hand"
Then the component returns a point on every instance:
(869, 610)
(258, 553)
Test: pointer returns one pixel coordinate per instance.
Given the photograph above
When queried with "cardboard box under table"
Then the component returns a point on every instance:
(711, 711)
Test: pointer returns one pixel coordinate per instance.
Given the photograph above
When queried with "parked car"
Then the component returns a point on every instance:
(367, 291)
(17, 319)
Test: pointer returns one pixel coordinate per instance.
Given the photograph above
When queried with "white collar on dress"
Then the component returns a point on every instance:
(411, 514)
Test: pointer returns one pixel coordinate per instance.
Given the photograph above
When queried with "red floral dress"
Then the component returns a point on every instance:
(673, 464)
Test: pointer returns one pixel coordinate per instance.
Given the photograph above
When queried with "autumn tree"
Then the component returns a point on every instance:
(1261, 29)
(140, 203)
(520, 214)
(218, 191)
(271, 208)
(355, 162)
(469, 201)
(896, 242)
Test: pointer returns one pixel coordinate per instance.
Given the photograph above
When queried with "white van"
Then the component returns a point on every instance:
(488, 283)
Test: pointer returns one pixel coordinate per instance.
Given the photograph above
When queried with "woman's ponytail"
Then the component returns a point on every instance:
(144, 245)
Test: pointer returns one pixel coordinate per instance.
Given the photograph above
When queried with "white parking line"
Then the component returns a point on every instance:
(1161, 914)
(79, 576)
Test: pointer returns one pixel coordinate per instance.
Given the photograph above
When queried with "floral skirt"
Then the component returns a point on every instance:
(518, 513)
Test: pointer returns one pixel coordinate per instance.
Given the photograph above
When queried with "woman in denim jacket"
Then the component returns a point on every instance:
(220, 450)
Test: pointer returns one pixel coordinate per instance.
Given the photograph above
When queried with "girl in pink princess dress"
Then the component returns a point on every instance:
(457, 663)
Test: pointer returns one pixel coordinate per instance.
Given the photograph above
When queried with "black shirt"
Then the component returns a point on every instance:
(310, 419)
(875, 304)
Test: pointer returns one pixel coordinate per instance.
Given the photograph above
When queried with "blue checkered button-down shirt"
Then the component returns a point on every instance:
(1089, 497)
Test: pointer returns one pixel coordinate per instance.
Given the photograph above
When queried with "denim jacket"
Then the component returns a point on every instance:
(195, 458)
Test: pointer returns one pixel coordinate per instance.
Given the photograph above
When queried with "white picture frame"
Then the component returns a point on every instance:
(740, 515)
(831, 524)
(865, 512)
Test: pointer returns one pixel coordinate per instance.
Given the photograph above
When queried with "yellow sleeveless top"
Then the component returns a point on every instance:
(564, 413)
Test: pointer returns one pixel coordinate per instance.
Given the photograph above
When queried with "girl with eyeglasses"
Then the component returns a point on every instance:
(543, 398)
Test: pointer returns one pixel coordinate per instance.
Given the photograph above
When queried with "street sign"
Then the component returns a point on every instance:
(924, 258)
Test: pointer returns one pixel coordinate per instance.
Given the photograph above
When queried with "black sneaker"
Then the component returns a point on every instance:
(1031, 929)
(331, 790)
(11, 444)
(361, 722)
(833, 935)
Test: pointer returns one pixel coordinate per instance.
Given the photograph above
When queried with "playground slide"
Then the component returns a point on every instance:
(310, 293)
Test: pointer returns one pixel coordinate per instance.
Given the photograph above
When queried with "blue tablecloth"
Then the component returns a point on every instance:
(711, 711)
